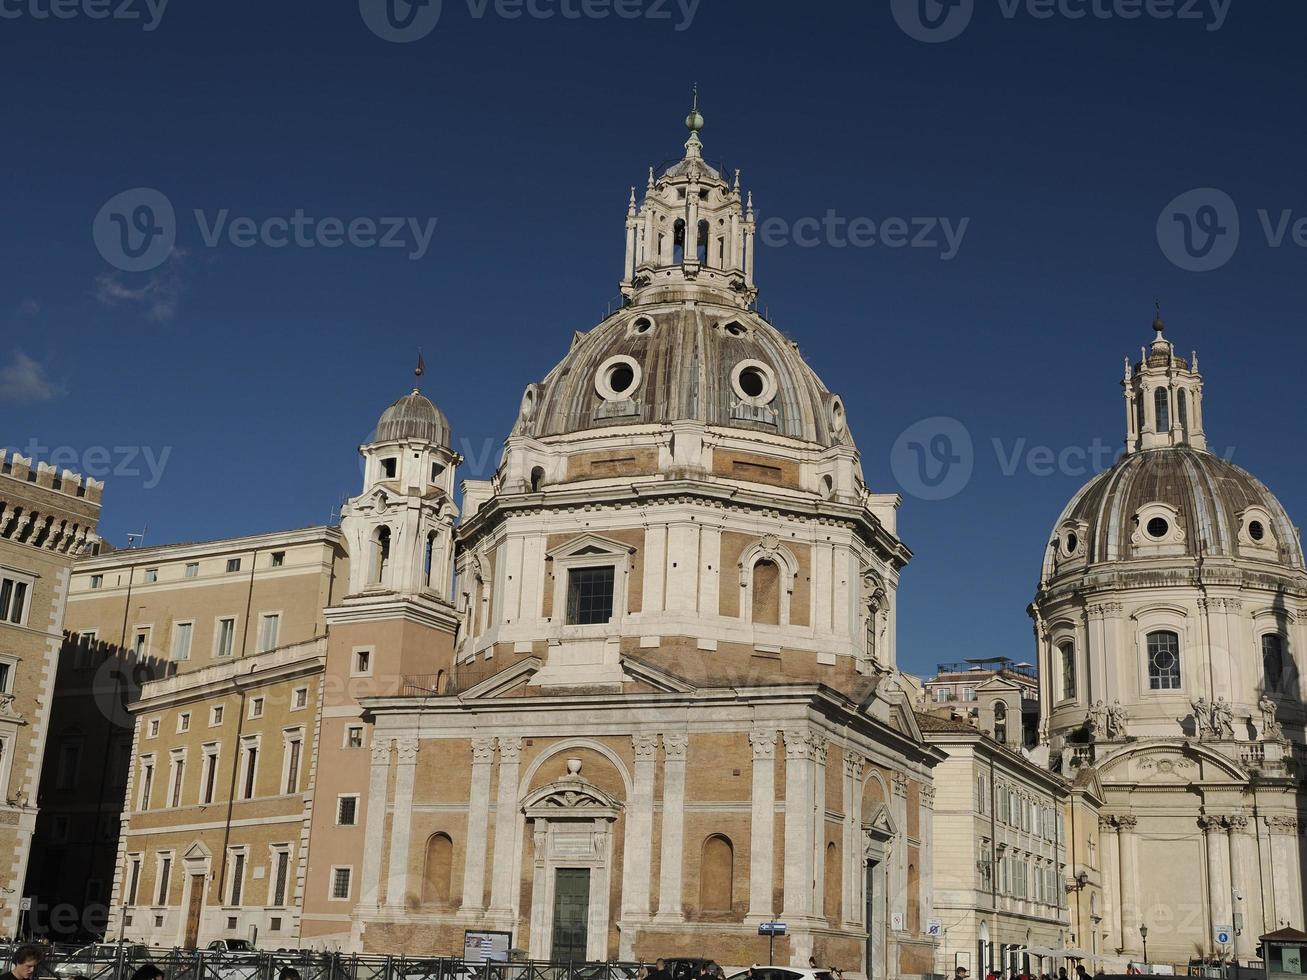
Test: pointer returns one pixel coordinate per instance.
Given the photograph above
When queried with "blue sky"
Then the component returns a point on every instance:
(226, 389)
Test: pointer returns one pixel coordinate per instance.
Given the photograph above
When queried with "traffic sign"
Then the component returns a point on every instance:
(934, 927)
(25, 904)
(1224, 935)
(771, 928)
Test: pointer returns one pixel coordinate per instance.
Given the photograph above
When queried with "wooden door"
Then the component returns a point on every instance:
(193, 912)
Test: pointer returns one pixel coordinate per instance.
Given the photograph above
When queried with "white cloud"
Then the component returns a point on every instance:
(29, 307)
(24, 380)
(159, 295)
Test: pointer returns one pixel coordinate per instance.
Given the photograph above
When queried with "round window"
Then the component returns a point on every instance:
(642, 325)
(837, 419)
(754, 383)
(1072, 542)
(735, 329)
(1256, 530)
(617, 378)
(1158, 527)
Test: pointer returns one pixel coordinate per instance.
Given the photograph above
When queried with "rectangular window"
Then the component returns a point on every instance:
(256, 707)
(1163, 660)
(269, 624)
(346, 811)
(299, 698)
(165, 873)
(13, 600)
(354, 737)
(147, 782)
(151, 576)
(181, 640)
(362, 662)
(210, 773)
(97, 581)
(184, 722)
(293, 747)
(70, 765)
(134, 880)
(280, 876)
(278, 559)
(192, 569)
(340, 882)
(233, 564)
(141, 641)
(215, 715)
(153, 728)
(251, 762)
(178, 773)
(84, 656)
(590, 595)
(224, 637)
(237, 876)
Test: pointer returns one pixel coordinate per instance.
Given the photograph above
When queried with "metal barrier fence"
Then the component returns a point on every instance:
(119, 962)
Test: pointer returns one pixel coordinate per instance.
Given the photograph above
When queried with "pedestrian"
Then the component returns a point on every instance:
(659, 971)
(812, 962)
(960, 973)
(147, 971)
(25, 960)
(288, 973)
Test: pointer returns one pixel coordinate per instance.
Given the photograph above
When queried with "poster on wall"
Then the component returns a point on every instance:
(963, 959)
(487, 946)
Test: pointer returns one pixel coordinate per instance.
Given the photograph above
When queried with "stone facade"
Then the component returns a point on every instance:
(47, 521)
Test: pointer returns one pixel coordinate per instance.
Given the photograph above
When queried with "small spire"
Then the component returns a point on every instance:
(737, 180)
(651, 178)
(749, 207)
(421, 368)
(1127, 369)
(630, 207)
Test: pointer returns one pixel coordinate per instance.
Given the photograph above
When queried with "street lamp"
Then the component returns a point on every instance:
(1143, 934)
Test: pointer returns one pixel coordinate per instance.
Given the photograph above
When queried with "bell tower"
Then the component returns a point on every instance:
(1163, 397)
(693, 235)
(400, 527)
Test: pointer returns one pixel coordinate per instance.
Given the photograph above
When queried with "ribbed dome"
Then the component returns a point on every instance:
(706, 363)
(1215, 501)
(413, 417)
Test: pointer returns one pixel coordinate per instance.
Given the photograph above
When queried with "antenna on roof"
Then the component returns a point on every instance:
(137, 540)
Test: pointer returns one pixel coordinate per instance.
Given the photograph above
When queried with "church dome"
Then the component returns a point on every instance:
(661, 363)
(413, 417)
(1176, 501)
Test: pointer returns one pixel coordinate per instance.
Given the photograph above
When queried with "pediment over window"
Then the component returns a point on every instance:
(588, 545)
(881, 825)
(196, 852)
(571, 796)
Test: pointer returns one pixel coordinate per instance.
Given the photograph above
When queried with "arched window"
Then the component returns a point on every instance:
(914, 899)
(1068, 651)
(1182, 410)
(537, 478)
(870, 638)
(1163, 661)
(678, 242)
(442, 682)
(1000, 721)
(1279, 672)
(380, 555)
(766, 593)
(832, 883)
(437, 874)
(717, 874)
(1162, 407)
(701, 246)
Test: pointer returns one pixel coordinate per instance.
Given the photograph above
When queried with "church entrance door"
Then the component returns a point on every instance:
(571, 912)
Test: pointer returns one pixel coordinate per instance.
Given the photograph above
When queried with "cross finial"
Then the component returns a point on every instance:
(421, 368)
(1158, 323)
(694, 121)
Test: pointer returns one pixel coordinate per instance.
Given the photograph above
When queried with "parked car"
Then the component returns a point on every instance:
(783, 973)
(101, 961)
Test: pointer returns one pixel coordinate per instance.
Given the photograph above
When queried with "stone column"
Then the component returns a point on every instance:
(854, 766)
(669, 877)
(1125, 835)
(375, 828)
(1218, 885)
(800, 744)
(1110, 846)
(1286, 886)
(478, 811)
(928, 854)
(1236, 832)
(899, 860)
(762, 828)
(503, 875)
(819, 751)
(637, 848)
(401, 822)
